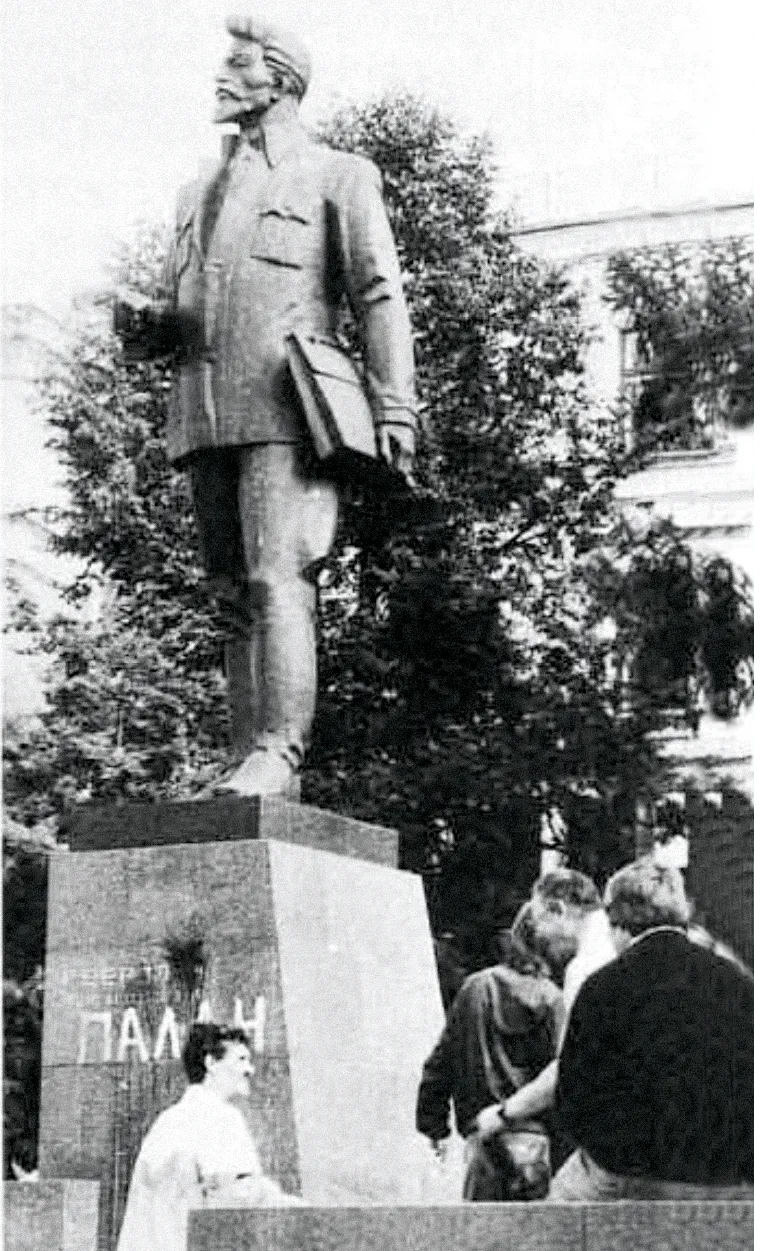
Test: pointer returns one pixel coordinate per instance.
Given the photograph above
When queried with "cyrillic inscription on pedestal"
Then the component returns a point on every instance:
(325, 959)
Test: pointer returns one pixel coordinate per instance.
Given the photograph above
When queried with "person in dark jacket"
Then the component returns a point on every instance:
(451, 968)
(501, 1031)
(655, 1072)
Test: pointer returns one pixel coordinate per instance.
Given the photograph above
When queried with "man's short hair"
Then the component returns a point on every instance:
(208, 1039)
(567, 886)
(643, 895)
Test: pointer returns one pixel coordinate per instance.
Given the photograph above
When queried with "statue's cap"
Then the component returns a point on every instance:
(281, 49)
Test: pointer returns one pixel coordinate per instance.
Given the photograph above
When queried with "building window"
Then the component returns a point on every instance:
(686, 350)
(664, 413)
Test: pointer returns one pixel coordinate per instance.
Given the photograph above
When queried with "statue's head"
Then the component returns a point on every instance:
(263, 64)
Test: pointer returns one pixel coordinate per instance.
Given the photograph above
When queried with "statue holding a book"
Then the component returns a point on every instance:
(267, 412)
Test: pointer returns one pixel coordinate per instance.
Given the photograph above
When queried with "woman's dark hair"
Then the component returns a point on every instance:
(208, 1039)
(516, 955)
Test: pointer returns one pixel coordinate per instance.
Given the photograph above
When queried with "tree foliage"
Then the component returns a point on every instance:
(24, 923)
(475, 666)
(483, 668)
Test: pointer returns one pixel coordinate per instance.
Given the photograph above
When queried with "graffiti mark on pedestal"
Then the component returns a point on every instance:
(110, 1035)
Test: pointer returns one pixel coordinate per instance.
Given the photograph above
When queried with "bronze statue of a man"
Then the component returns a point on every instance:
(267, 244)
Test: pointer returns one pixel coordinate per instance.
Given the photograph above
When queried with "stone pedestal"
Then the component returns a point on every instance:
(326, 958)
(111, 827)
(50, 1216)
(480, 1227)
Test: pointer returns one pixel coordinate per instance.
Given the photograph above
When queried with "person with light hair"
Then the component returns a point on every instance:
(564, 920)
(656, 1067)
(643, 896)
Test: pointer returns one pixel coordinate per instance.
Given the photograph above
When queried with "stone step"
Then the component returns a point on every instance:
(50, 1215)
(627, 1226)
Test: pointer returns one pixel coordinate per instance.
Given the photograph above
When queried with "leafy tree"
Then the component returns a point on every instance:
(475, 661)
(480, 683)
(482, 665)
(22, 1048)
(690, 309)
(24, 916)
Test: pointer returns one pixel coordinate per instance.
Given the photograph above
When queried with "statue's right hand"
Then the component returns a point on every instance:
(396, 446)
(148, 331)
(129, 309)
(134, 322)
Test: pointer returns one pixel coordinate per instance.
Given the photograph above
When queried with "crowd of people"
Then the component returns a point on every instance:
(609, 1055)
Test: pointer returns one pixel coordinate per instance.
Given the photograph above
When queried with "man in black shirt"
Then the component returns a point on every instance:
(655, 1072)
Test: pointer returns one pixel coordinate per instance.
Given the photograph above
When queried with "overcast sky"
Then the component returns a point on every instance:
(592, 104)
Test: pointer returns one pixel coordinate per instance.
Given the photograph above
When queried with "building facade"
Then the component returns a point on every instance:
(708, 495)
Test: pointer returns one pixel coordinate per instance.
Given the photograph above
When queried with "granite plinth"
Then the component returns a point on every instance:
(455, 1227)
(670, 1226)
(479, 1227)
(325, 958)
(101, 828)
(50, 1216)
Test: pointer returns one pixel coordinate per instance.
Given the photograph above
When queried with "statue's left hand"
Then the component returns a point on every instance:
(396, 445)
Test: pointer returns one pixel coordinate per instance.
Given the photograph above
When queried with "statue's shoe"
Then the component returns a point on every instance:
(266, 771)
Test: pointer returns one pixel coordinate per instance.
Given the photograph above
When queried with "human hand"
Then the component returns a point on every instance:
(129, 309)
(439, 1149)
(133, 323)
(396, 445)
(489, 1122)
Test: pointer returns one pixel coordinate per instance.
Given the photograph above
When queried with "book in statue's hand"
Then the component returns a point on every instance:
(339, 416)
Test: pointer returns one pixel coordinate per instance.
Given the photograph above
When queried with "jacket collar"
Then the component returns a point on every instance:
(282, 130)
(657, 929)
(280, 133)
